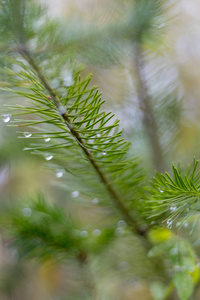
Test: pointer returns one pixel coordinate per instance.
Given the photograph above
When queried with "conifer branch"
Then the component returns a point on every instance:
(104, 179)
(177, 196)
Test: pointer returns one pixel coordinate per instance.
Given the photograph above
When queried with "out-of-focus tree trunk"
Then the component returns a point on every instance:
(149, 120)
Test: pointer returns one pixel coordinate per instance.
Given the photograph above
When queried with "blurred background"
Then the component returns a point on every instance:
(152, 86)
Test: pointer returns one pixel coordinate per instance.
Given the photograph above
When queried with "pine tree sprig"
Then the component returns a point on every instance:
(82, 121)
(176, 196)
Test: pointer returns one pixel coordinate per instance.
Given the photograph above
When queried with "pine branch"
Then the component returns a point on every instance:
(175, 197)
(130, 219)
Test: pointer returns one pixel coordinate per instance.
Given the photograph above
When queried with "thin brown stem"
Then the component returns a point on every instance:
(148, 114)
(104, 179)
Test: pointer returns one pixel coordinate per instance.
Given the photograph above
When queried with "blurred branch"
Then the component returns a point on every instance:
(148, 114)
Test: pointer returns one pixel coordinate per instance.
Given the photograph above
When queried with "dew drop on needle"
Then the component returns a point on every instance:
(6, 118)
(48, 157)
(27, 134)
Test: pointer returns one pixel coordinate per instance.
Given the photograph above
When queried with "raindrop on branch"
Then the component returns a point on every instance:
(48, 157)
(97, 232)
(84, 234)
(95, 201)
(62, 110)
(121, 224)
(119, 231)
(75, 194)
(27, 211)
(6, 118)
(59, 173)
(47, 139)
(68, 79)
(104, 153)
(27, 134)
(173, 208)
(169, 223)
(160, 190)
(153, 223)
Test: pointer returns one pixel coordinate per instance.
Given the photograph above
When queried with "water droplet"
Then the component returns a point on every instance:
(59, 173)
(95, 201)
(153, 223)
(169, 223)
(62, 109)
(186, 225)
(27, 134)
(97, 232)
(68, 79)
(121, 224)
(98, 135)
(104, 153)
(75, 194)
(27, 211)
(173, 208)
(47, 139)
(160, 190)
(84, 234)
(119, 231)
(6, 118)
(48, 157)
